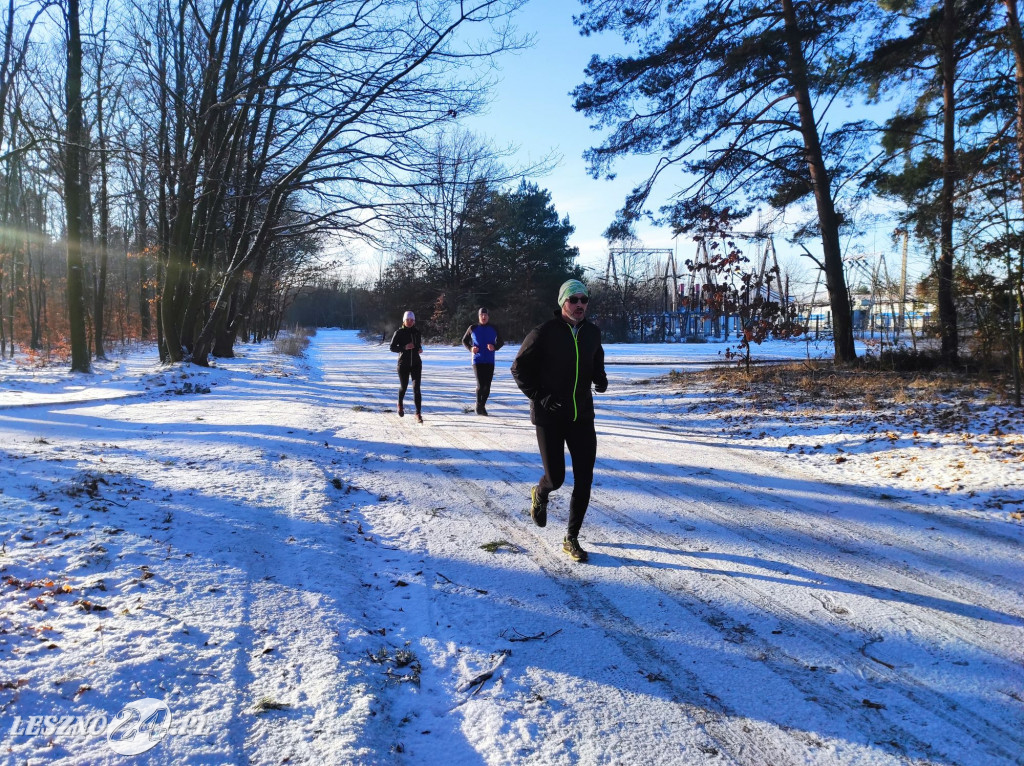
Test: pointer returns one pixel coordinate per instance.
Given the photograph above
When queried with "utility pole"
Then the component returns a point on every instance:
(903, 281)
(609, 269)
(671, 273)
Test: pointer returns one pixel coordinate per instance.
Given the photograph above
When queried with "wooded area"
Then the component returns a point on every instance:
(190, 161)
(179, 172)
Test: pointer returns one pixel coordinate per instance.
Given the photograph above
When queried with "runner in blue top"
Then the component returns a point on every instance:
(483, 339)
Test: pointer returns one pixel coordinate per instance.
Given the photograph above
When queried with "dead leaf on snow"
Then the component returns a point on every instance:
(89, 606)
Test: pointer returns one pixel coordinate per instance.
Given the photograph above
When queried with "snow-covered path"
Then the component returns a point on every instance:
(317, 580)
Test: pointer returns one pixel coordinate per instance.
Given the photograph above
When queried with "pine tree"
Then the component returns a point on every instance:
(734, 95)
(928, 57)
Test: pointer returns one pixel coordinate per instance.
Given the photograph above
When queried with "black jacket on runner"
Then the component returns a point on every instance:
(402, 338)
(556, 361)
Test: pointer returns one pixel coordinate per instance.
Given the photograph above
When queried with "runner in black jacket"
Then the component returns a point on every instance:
(408, 345)
(555, 368)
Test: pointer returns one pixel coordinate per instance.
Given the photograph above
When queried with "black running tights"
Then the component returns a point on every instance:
(484, 376)
(404, 373)
(581, 439)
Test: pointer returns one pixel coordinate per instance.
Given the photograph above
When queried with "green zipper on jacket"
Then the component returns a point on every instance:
(576, 345)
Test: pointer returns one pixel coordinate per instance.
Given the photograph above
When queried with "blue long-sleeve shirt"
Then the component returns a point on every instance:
(480, 335)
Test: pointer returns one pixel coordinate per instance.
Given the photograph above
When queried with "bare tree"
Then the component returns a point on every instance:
(74, 194)
(102, 94)
(288, 123)
(15, 142)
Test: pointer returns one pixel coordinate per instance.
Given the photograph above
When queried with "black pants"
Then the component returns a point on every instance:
(404, 373)
(484, 375)
(581, 439)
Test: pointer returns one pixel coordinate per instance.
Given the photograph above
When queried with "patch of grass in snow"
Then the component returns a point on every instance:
(401, 666)
(405, 657)
(497, 545)
(266, 704)
(821, 385)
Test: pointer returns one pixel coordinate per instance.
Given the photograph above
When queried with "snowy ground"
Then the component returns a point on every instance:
(300, 576)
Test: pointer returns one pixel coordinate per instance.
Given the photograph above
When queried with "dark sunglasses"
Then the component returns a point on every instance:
(574, 299)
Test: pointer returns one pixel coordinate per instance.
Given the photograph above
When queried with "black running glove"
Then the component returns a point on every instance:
(550, 403)
(601, 387)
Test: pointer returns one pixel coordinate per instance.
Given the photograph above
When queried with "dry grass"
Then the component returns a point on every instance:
(294, 342)
(266, 704)
(825, 385)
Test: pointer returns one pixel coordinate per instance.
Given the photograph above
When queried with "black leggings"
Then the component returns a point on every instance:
(484, 375)
(404, 373)
(581, 439)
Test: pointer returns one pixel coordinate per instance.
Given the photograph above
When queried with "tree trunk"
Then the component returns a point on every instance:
(34, 298)
(947, 306)
(145, 318)
(1013, 30)
(161, 346)
(220, 332)
(100, 280)
(12, 291)
(223, 343)
(3, 332)
(178, 252)
(175, 291)
(6, 236)
(73, 193)
(835, 276)
(140, 249)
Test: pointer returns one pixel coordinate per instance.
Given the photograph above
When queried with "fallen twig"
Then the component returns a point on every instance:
(468, 587)
(480, 680)
(864, 651)
(542, 636)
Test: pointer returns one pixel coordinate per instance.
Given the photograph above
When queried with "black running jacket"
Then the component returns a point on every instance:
(402, 338)
(556, 363)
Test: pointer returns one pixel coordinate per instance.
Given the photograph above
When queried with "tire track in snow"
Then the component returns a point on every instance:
(790, 669)
(1010, 543)
(899, 576)
(697, 704)
(700, 703)
(962, 629)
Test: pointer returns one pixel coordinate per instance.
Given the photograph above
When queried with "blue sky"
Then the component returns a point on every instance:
(532, 109)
